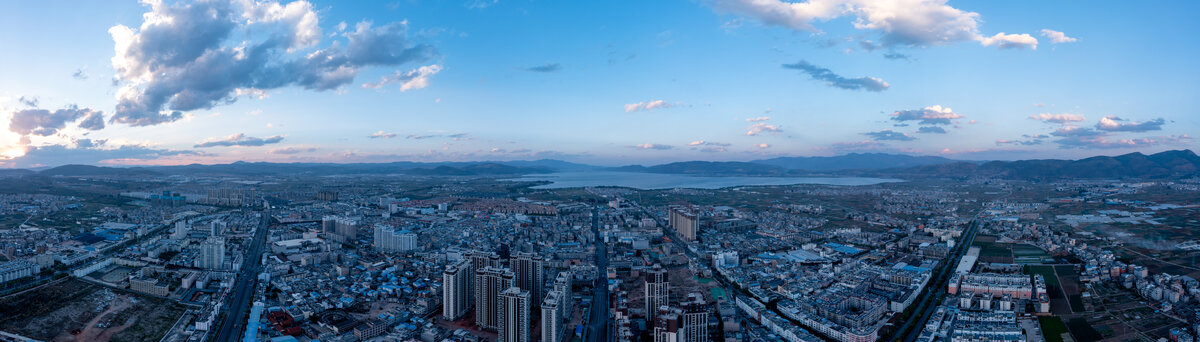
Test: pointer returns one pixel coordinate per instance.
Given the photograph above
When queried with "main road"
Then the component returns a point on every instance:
(598, 327)
(243, 288)
(929, 300)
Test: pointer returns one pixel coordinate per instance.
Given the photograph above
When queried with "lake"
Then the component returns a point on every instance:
(648, 181)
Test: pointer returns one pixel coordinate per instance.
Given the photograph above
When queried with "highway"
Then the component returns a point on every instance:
(243, 291)
(598, 327)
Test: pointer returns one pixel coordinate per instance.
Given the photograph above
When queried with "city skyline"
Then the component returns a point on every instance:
(180, 82)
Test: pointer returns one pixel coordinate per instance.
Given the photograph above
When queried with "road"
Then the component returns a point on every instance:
(243, 291)
(598, 327)
(937, 287)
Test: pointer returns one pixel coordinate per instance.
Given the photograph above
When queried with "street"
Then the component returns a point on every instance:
(243, 290)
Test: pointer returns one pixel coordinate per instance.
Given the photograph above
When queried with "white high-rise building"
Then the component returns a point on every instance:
(552, 317)
(212, 254)
(181, 230)
(562, 284)
(657, 290)
(216, 228)
(480, 260)
(390, 240)
(528, 267)
(489, 283)
(455, 293)
(514, 316)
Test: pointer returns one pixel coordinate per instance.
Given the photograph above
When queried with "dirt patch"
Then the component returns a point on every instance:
(74, 310)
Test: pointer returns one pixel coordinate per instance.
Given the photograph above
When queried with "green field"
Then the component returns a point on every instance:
(1052, 328)
(1045, 271)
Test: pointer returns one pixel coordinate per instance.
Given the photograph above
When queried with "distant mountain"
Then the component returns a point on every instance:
(709, 168)
(89, 170)
(1168, 164)
(549, 164)
(414, 168)
(854, 161)
(6, 173)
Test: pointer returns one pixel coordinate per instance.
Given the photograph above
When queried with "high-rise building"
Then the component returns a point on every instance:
(340, 229)
(657, 290)
(528, 268)
(478, 261)
(684, 222)
(455, 292)
(180, 230)
(390, 240)
(217, 228)
(562, 284)
(212, 253)
(514, 316)
(552, 317)
(667, 325)
(489, 283)
(694, 320)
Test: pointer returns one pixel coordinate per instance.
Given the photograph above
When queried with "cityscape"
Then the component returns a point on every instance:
(664, 171)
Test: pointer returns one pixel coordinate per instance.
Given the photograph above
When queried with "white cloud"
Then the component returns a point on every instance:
(189, 56)
(1010, 41)
(648, 105)
(649, 146)
(413, 79)
(763, 127)
(1058, 118)
(932, 115)
(758, 119)
(899, 22)
(239, 140)
(1057, 37)
(1113, 123)
(382, 135)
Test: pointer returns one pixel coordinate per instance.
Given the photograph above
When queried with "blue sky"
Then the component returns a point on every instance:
(614, 82)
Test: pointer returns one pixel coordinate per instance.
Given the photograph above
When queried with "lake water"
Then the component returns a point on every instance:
(646, 181)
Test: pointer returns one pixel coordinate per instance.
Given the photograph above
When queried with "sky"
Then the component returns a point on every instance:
(602, 82)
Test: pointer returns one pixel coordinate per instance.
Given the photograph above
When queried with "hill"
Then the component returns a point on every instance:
(854, 161)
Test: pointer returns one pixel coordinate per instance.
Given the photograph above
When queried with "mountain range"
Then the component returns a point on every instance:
(1168, 164)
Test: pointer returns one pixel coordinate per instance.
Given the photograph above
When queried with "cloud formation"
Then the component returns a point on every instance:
(895, 56)
(1010, 41)
(1104, 142)
(649, 146)
(916, 23)
(931, 129)
(1058, 118)
(293, 150)
(28, 101)
(1057, 37)
(648, 105)
(763, 127)
(93, 152)
(409, 80)
(455, 136)
(548, 67)
(42, 122)
(758, 119)
(1113, 123)
(382, 135)
(239, 140)
(190, 56)
(888, 134)
(932, 115)
(837, 81)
